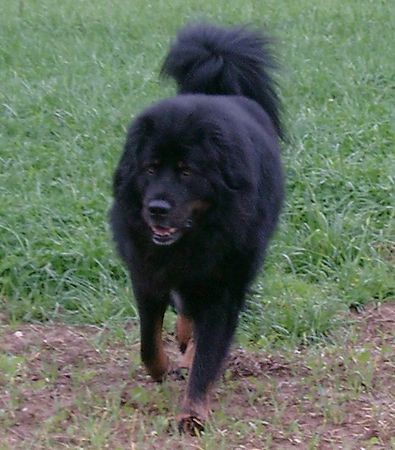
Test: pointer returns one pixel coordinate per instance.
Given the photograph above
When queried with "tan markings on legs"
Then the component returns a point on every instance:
(158, 367)
(184, 331)
(186, 359)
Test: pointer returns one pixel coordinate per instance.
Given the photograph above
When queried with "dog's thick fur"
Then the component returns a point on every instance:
(197, 195)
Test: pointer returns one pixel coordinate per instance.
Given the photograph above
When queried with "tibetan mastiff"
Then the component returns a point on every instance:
(197, 195)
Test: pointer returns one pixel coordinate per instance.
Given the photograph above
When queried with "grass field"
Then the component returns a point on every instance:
(73, 74)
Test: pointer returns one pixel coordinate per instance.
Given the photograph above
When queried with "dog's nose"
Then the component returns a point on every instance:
(158, 207)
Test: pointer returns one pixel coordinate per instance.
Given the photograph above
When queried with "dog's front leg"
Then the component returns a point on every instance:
(152, 352)
(214, 326)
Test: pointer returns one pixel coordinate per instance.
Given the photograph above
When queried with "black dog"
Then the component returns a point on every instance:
(198, 191)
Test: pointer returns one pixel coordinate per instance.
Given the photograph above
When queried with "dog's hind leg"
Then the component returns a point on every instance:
(184, 331)
(184, 334)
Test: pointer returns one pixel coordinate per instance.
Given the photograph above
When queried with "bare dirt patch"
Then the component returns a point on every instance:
(66, 387)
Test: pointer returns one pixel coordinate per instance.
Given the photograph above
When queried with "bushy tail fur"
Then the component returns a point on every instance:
(225, 61)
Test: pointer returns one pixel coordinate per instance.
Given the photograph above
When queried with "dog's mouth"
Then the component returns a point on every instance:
(165, 235)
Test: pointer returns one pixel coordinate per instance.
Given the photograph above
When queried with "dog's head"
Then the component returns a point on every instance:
(175, 194)
(175, 168)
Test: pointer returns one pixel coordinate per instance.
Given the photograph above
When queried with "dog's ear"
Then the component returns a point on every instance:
(140, 129)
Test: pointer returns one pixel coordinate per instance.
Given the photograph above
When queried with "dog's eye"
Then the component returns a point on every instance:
(184, 170)
(151, 169)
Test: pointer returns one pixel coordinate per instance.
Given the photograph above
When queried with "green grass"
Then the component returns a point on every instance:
(72, 75)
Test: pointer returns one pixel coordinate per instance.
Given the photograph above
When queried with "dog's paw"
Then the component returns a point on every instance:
(190, 424)
(177, 374)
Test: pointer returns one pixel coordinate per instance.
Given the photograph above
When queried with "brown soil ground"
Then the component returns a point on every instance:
(343, 394)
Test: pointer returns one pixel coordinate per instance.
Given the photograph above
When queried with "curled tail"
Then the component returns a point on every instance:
(225, 61)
